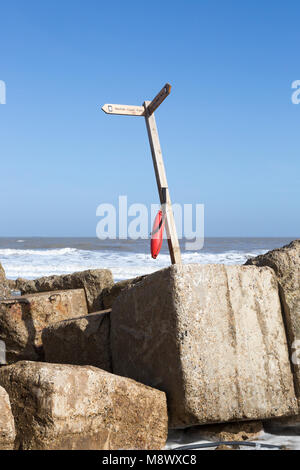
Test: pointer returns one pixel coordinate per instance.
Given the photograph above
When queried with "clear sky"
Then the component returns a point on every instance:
(229, 131)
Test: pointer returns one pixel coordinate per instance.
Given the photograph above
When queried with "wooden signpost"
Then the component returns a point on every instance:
(147, 110)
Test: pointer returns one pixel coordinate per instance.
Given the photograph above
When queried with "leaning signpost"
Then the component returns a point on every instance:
(147, 111)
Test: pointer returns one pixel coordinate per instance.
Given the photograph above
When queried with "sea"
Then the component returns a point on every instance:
(41, 256)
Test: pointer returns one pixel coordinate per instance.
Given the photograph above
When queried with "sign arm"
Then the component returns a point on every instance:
(123, 109)
(159, 98)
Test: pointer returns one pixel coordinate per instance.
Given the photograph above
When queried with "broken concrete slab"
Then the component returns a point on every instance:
(211, 337)
(80, 341)
(81, 407)
(7, 424)
(93, 281)
(239, 431)
(22, 320)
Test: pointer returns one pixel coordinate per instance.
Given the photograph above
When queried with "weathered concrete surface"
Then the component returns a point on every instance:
(286, 263)
(211, 337)
(4, 289)
(93, 281)
(111, 293)
(7, 424)
(79, 341)
(81, 407)
(22, 320)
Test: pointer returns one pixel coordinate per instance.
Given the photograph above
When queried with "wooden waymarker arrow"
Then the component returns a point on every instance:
(124, 109)
(147, 110)
(160, 97)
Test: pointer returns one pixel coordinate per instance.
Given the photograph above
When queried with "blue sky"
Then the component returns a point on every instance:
(229, 131)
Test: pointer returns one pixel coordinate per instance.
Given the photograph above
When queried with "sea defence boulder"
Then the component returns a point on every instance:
(285, 262)
(79, 341)
(93, 281)
(111, 293)
(7, 423)
(211, 337)
(4, 289)
(22, 320)
(81, 407)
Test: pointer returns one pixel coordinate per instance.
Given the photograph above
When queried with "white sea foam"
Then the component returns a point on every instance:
(50, 252)
(290, 441)
(30, 263)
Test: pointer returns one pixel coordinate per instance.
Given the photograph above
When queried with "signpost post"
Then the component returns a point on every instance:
(147, 110)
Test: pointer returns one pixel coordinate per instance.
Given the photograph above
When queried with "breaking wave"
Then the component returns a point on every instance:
(31, 263)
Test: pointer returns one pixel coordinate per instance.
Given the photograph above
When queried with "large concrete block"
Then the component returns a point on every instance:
(286, 263)
(81, 407)
(211, 337)
(93, 281)
(7, 424)
(22, 320)
(79, 341)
